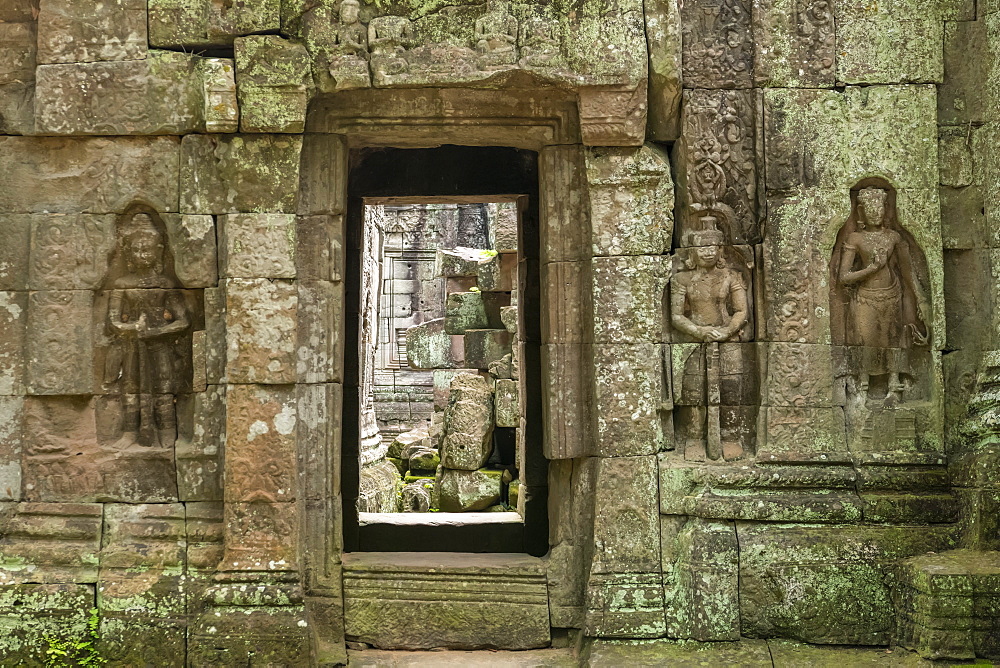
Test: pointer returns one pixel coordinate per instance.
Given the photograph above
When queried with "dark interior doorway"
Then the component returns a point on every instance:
(460, 176)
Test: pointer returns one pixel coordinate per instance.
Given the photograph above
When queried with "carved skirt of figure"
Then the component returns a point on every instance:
(878, 324)
(737, 386)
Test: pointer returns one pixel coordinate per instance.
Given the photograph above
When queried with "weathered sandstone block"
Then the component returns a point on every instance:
(261, 321)
(60, 348)
(891, 42)
(201, 23)
(483, 347)
(11, 416)
(628, 299)
(260, 444)
(428, 346)
(98, 175)
(468, 423)
(272, 84)
(260, 245)
(631, 200)
(465, 491)
(222, 111)
(236, 173)
(162, 94)
(506, 407)
(628, 399)
(464, 310)
(72, 33)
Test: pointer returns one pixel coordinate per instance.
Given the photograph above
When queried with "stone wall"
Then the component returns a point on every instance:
(757, 403)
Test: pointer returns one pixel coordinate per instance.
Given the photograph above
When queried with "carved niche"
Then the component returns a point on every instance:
(714, 365)
(145, 323)
(880, 317)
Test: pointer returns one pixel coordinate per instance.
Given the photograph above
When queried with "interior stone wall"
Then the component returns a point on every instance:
(170, 427)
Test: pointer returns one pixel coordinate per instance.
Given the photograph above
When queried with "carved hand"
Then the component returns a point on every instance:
(879, 258)
(712, 334)
(924, 310)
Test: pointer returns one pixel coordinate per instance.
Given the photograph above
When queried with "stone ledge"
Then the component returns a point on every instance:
(413, 600)
(437, 519)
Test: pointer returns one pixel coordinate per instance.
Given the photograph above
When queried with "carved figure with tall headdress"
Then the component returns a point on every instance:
(879, 301)
(146, 315)
(710, 304)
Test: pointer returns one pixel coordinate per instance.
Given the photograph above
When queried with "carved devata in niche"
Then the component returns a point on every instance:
(710, 304)
(147, 321)
(879, 305)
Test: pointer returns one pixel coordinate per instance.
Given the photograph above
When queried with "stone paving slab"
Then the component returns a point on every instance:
(677, 654)
(787, 654)
(541, 658)
(672, 653)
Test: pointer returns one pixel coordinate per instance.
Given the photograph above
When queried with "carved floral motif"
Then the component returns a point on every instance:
(717, 50)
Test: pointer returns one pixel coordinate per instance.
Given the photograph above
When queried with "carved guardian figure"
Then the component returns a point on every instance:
(710, 304)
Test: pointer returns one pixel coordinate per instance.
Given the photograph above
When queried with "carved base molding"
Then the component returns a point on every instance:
(423, 600)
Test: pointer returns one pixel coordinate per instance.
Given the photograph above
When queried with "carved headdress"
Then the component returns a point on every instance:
(139, 226)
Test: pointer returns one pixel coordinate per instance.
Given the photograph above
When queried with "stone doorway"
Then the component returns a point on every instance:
(443, 302)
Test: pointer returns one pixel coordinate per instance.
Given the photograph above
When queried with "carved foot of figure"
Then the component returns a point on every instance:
(127, 440)
(894, 396)
(732, 450)
(167, 438)
(694, 450)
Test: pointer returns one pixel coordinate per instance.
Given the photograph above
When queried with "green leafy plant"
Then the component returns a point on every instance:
(63, 652)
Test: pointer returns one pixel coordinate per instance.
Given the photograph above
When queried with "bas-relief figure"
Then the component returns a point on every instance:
(351, 36)
(349, 51)
(540, 43)
(496, 35)
(147, 316)
(879, 304)
(710, 304)
(389, 38)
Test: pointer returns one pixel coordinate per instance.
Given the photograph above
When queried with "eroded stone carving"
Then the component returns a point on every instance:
(496, 35)
(349, 55)
(879, 303)
(710, 304)
(389, 37)
(539, 37)
(717, 49)
(146, 318)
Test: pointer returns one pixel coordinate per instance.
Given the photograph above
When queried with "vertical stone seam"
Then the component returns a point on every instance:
(739, 589)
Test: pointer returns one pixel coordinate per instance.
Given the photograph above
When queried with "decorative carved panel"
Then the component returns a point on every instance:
(716, 164)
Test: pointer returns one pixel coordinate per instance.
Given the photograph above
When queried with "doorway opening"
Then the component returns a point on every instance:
(442, 406)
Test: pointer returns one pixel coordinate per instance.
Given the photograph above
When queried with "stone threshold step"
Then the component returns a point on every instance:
(668, 653)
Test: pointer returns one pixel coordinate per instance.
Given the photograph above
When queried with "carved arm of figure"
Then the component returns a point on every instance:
(176, 317)
(847, 275)
(741, 304)
(910, 279)
(122, 327)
